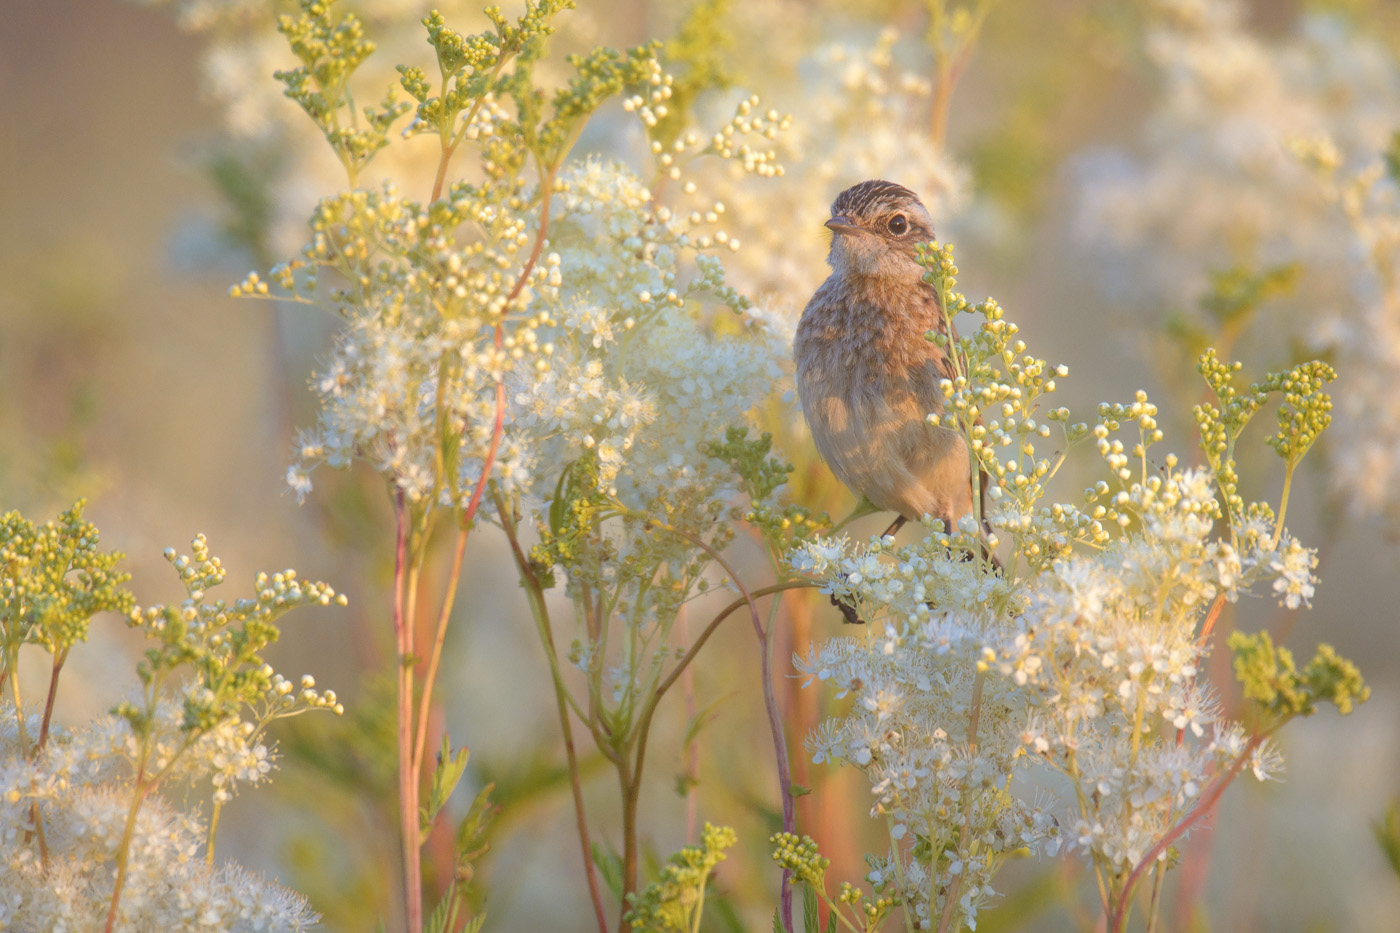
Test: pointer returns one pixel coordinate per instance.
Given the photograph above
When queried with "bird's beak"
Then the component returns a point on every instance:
(842, 224)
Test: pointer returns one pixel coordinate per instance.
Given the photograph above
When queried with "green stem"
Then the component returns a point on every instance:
(212, 834)
(1154, 905)
(1283, 503)
(142, 788)
(12, 666)
(540, 611)
(408, 790)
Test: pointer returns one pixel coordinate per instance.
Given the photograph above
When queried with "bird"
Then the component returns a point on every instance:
(868, 377)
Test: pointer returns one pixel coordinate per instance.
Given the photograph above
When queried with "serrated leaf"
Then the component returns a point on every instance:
(450, 767)
(473, 825)
(778, 921)
(811, 916)
(441, 916)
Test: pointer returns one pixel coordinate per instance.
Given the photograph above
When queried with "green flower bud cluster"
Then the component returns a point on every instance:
(673, 902)
(808, 867)
(800, 856)
(873, 910)
(222, 644)
(1271, 678)
(470, 66)
(601, 74)
(53, 580)
(760, 476)
(1304, 413)
(330, 50)
(1306, 410)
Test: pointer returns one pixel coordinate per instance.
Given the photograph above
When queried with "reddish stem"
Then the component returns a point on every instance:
(58, 660)
(1119, 915)
(1211, 617)
(435, 657)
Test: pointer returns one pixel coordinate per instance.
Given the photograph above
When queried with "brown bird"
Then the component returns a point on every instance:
(867, 376)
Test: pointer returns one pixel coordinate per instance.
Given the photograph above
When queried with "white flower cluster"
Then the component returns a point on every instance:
(1216, 182)
(938, 738)
(82, 787)
(605, 346)
(1219, 184)
(1366, 335)
(640, 379)
(1081, 654)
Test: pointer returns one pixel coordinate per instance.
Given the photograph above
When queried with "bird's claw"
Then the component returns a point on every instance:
(848, 611)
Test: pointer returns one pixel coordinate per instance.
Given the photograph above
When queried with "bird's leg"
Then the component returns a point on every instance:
(863, 508)
(895, 525)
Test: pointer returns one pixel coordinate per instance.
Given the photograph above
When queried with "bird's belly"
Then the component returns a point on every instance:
(879, 443)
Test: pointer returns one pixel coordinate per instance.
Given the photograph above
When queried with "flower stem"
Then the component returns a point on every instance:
(1118, 911)
(950, 902)
(408, 789)
(143, 787)
(58, 661)
(770, 703)
(212, 834)
(541, 613)
(435, 658)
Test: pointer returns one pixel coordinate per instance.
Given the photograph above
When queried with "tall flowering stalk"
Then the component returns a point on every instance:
(93, 840)
(538, 340)
(1082, 657)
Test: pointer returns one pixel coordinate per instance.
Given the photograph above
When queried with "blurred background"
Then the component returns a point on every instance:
(1120, 175)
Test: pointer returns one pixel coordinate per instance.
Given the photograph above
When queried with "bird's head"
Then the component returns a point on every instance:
(875, 226)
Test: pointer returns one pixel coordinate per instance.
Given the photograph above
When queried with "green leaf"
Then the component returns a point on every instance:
(702, 716)
(811, 916)
(778, 921)
(450, 767)
(438, 921)
(471, 830)
(609, 865)
(1387, 830)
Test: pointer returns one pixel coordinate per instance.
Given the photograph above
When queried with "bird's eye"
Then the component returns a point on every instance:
(898, 225)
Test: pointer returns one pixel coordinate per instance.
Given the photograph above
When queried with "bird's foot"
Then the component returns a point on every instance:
(848, 611)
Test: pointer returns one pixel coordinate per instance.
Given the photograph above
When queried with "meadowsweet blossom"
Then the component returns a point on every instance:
(1080, 655)
(1222, 186)
(82, 785)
